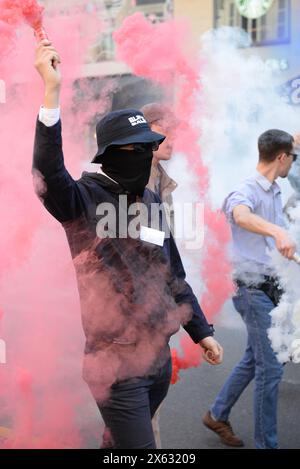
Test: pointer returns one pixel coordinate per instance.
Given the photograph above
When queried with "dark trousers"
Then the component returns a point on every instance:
(131, 406)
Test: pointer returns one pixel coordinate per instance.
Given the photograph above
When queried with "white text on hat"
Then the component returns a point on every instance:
(137, 120)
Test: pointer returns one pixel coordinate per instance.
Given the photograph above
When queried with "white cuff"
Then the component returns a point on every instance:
(49, 117)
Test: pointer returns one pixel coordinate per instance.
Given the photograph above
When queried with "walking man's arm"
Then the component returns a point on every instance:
(247, 220)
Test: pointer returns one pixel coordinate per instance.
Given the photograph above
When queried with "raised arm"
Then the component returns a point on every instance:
(53, 183)
(47, 63)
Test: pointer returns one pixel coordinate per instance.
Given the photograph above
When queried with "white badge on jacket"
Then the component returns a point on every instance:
(152, 236)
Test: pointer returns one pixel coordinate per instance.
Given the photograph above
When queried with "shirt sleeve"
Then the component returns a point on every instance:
(242, 196)
(49, 117)
(54, 185)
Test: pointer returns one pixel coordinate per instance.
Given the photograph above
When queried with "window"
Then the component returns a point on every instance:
(270, 29)
(116, 10)
(157, 17)
(231, 15)
(148, 2)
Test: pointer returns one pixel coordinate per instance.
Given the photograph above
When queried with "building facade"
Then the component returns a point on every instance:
(275, 35)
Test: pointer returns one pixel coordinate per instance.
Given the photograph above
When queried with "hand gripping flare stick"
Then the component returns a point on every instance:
(296, 258)
(40, 34)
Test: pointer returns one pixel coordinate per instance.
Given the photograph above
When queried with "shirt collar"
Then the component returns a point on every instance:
(265, 184)
(168, 184)
(160, 179)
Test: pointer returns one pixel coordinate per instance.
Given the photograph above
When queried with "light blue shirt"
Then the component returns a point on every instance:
(250, 252)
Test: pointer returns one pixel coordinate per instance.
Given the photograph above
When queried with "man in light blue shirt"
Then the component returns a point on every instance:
(254, 211)
(250, 252)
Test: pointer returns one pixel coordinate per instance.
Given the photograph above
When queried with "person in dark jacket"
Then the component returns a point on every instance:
(132, 288)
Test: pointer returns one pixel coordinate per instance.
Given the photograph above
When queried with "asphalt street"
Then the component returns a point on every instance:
(189, 399)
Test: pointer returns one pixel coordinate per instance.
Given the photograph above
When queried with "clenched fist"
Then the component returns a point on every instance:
(285, 245)
(212, 351)
(47, 62)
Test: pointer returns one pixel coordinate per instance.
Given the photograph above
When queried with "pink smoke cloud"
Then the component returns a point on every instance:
(158, 52)
(13, 13)
(43, 396)
(42, 379)
(41, 389)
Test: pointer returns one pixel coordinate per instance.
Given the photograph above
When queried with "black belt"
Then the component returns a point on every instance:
(266, 279)
(270, 286)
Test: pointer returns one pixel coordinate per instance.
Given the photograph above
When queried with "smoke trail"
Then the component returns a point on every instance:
(241, 108)
(42, 324)
(157, 52)
(238, 109)
(285, 330)
(42, 393)
(12, 14)
(188, 357)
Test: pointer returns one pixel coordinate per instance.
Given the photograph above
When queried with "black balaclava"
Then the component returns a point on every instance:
(131, 169)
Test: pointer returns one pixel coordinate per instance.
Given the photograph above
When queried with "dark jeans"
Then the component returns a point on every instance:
(259, 363)
(131, 406)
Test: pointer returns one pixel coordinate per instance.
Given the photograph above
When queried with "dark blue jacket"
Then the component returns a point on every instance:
(129, 290)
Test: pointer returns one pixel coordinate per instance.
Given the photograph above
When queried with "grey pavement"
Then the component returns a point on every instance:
(189, 399)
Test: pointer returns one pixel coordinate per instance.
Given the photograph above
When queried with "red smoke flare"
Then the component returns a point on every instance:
(32, 12)
(15, 12)
(190, 357)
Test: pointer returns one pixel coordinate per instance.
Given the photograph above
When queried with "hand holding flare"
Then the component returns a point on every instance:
(296, 258)
(212, 351)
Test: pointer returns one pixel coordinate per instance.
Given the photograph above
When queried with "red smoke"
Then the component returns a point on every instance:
(43, 397)
(41, 390)
(12, 14)
(32, 12)
(15, 11)
(190, 357)
(157, 52)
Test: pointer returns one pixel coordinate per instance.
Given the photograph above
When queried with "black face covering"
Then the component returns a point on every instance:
(131, 169)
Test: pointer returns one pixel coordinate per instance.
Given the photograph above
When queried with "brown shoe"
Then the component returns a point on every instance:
(223, 430)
